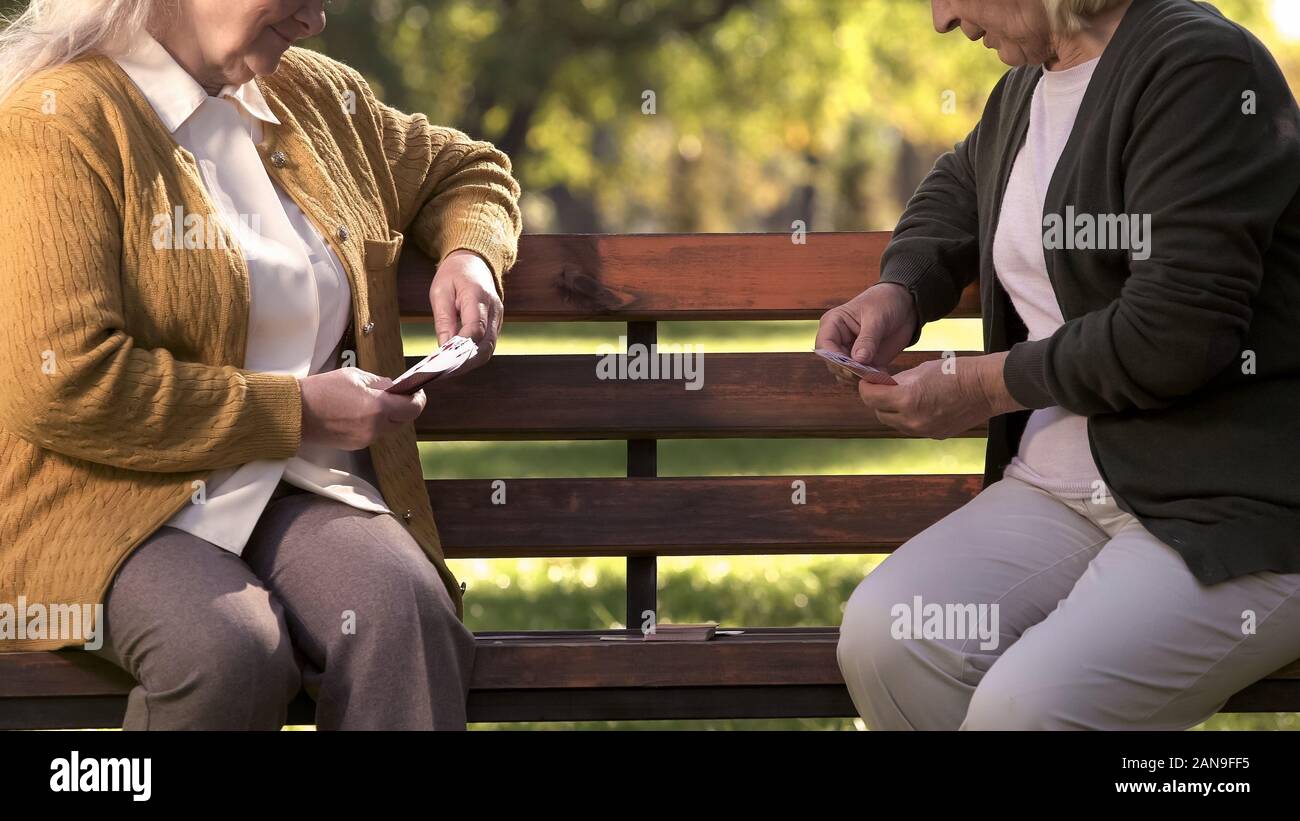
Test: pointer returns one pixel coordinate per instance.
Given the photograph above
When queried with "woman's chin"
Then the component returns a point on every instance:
(1014, 56)
(264, 63)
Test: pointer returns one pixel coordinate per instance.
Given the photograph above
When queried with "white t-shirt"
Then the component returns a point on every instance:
(1054, 452)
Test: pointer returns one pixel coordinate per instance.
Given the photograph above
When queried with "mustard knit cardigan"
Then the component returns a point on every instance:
(120, 365)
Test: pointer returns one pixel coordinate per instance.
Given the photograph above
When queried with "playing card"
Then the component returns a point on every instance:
(855, 369)
(440, 364)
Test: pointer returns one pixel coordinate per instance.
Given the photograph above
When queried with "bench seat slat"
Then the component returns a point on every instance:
(557, 676)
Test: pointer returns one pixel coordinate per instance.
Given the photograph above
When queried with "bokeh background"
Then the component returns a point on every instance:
(765, 111)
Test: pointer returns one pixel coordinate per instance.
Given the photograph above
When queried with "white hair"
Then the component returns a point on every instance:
(1070, 16)
(50, 33)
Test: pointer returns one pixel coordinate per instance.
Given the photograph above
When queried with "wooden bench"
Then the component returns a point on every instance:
(573, 675)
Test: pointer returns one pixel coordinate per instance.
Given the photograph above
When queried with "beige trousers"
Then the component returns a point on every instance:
(1022, 610)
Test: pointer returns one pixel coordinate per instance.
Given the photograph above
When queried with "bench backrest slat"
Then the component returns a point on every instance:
(691, 516)
(741, 395)
(676, 276)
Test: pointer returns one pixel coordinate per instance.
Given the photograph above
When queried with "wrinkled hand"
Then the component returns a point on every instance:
(348, 408)
(873, 328)
(943, 397)
(465, 303)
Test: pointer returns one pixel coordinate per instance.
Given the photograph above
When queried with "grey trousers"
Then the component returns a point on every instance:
(1099, 625)
(336, 600)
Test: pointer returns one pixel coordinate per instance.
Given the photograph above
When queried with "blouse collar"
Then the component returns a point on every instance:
(174, 94)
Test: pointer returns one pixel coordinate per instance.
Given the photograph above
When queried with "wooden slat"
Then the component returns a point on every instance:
(538, 659)
(565, 704)
(573, 659)
(603, 704)
(676, 276)
(60, 675)
(559, 676)
(743, 395)
(691, 516)
(584, 660)
(662, 703)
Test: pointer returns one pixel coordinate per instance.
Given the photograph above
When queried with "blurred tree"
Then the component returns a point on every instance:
(764, 111)
(691, 115)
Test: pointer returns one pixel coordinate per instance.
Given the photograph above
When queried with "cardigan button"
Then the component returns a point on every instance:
(407, 515)
(343, 233)
(279, 160)
(367, 328)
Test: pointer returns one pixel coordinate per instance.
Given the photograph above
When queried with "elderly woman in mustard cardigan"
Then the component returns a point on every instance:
(201, 230)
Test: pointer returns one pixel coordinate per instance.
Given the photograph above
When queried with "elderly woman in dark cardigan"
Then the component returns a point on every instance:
(1128, 202)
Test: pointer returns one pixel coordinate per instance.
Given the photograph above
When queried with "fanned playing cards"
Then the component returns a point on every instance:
(440, 364)
(855, 369)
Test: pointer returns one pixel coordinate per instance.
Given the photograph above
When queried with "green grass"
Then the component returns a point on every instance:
(714, 337)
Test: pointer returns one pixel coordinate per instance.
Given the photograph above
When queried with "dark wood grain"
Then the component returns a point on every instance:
(661, 703)
(558, 676)
(676, 276)
(68, 673)
(752, 660)
(743, 395)
(691, 516)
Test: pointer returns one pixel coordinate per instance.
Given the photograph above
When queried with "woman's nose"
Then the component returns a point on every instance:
(311, 17)
(944, 18)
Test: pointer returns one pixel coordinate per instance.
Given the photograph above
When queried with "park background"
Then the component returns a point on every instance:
(766, 112)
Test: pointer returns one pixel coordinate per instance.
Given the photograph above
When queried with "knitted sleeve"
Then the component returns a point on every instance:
(72, 378)
(453, 192)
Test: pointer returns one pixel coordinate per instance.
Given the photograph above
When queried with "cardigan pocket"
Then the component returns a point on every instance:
(382, 254)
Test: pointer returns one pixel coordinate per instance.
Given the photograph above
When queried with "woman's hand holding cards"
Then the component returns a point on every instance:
(853, 370)
(349, 409)
(936, 399)
(465, 303)
(872, 329)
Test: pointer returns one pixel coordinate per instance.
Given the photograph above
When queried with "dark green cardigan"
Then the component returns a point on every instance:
(1187, 363)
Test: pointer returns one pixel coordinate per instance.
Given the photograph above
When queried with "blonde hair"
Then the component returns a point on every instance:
(1069, 16)
(50, 33)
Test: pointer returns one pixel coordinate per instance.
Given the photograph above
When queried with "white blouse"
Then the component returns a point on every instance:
(300, 302)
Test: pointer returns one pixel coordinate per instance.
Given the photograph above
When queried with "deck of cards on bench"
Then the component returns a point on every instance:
(440, 364)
